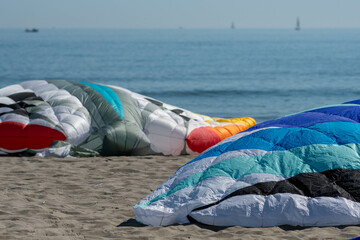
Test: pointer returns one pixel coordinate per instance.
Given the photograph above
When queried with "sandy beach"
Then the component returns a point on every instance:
(92, 198)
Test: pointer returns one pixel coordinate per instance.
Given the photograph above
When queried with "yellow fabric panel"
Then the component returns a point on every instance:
(247, 121)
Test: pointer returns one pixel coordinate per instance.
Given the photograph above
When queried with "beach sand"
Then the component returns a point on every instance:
(92, 198)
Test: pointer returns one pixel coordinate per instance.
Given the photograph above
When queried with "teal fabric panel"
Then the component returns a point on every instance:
(110, 96)
(313, 158)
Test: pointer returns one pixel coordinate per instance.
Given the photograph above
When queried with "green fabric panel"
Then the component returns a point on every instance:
(118, 136)
(111, 134)
(102, 114)
(136, 141)
(77, 151)
(109, 95)
(93, 142)
(319, 158)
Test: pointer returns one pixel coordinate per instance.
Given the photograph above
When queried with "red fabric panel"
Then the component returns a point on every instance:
(16, 136)
(201, 139)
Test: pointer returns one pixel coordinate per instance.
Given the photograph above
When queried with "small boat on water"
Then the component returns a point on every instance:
(32, 30)
(297, 28)
(232, 25)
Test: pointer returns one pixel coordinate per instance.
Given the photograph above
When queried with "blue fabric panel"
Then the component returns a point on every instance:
(351, 112)
(304, 119)
(353, 102)
(110, 96)
(277, 139)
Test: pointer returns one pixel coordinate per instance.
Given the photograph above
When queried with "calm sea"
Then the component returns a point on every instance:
(264, 74)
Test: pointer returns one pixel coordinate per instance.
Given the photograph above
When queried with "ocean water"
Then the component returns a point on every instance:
(264, 74)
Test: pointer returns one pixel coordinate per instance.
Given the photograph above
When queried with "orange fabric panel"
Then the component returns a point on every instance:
(228, 130)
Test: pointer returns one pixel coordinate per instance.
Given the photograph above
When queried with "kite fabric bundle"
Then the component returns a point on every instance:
(302, 169)
(62, 118)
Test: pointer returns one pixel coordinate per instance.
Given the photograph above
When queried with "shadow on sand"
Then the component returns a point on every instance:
(133, 223)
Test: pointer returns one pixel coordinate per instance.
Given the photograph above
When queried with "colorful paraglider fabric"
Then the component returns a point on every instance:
(302, 169)
(62, 118)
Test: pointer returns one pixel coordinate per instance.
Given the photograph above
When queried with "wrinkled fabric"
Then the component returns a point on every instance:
(92, 119)
(302, 169)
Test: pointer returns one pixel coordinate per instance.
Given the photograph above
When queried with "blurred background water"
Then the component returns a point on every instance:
(264, 74)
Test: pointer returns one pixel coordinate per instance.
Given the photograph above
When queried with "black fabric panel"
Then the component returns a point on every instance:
(193, 220)
(177, 111)
(34, 98)
(19, 105)
(185, 118)
(22, 96)
(12, 106)
(157, 103)
(19, 111)
(333, 183)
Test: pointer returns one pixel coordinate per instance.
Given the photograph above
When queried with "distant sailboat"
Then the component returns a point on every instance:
(297, 28)
(232, 25)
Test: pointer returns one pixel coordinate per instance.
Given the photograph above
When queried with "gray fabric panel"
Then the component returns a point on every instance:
(118, 136)
(137, 142)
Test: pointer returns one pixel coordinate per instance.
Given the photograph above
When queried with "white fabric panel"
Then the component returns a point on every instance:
(6, 100)
(166, 135)
(142, 102)
(182, 202)
(42, 122)
(44, 88)
(47, 111)
(15, 118)
(74, 122)
(9, 90)
(33, 84)
(280, 209)
(55, 152)
(5, 109)
(193, 124)
(76, 128)
(61, 109)
(54, 95)
(83, 115)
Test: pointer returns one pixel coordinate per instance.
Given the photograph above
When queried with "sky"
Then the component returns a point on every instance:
(179, 13)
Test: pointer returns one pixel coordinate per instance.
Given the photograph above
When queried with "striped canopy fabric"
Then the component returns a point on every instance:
(302, 169)
(62, 118)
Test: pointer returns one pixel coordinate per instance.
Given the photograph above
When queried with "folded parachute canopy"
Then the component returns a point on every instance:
(302, 169)
(64, 118)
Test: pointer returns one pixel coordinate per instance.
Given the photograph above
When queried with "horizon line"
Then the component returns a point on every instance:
(177, 28)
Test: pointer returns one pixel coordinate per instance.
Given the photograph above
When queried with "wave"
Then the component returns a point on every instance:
(257, 92)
